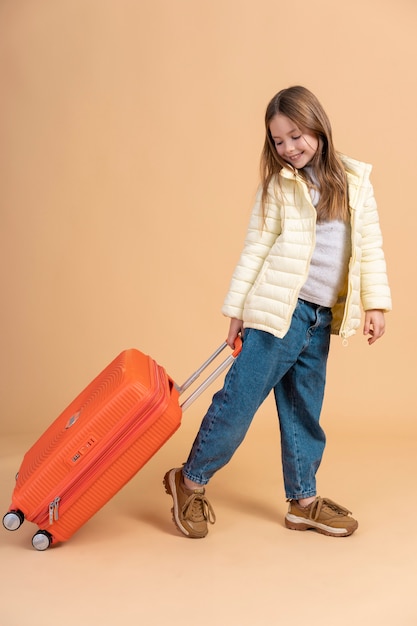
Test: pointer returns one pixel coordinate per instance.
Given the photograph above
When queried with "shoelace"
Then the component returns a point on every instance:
(197, 508)
(319, 503)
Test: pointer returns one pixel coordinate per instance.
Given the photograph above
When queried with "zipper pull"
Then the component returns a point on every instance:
(53, 510)
(345, 341)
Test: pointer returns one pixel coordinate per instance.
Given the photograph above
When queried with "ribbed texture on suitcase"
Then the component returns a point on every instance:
(115, 476)
(98, 443)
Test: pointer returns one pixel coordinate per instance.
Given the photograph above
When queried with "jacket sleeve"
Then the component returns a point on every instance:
(261, 236)
(375, 291)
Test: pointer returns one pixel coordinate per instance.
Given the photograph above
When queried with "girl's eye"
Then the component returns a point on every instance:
(299, 137)
(278, 143)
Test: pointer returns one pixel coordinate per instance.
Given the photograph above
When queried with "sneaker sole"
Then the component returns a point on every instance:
(296, 523)
(171, 489)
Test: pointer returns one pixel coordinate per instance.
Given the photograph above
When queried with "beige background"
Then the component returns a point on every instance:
(130, 135)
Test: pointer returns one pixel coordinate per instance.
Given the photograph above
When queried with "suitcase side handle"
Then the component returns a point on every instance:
(212, 377)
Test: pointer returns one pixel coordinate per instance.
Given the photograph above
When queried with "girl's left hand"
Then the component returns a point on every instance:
(374, 325)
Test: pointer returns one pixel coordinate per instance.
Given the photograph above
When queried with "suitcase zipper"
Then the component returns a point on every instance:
(53, 511)
(88, 473)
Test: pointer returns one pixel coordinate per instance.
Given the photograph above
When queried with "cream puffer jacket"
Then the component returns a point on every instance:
(275, 260)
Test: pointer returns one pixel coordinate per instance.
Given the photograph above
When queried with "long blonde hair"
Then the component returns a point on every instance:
(303, 108)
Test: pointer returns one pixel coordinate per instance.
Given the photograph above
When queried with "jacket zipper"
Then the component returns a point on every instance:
(87, 474)
(343, 331)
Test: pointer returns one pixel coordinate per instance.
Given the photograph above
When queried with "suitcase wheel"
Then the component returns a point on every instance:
(13, 520)
(41, 540)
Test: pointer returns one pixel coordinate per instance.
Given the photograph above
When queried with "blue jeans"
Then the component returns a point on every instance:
(295, 368)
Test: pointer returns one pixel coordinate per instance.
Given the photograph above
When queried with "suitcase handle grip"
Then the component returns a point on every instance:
(238, 346)
(212, 377)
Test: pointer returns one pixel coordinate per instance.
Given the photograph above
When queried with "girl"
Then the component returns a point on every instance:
(312, 256)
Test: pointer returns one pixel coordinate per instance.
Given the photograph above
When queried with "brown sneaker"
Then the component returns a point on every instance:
(322, 515)
(191, 510)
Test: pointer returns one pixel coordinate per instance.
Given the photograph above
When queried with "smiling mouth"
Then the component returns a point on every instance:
(294, 157)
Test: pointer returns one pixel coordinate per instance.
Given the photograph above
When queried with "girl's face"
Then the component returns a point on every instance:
(295, 146)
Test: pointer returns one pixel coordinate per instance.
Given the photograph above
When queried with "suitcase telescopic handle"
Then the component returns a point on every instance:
(212, 377)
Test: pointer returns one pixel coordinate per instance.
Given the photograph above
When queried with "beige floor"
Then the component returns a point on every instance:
(128, 565)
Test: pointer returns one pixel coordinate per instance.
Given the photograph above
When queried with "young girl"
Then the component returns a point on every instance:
(312, 256)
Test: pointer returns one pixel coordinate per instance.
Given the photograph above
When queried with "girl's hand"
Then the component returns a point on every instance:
(235, 328)
(374, 325)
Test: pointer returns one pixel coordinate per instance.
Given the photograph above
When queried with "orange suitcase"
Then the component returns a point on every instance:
(98, 443)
